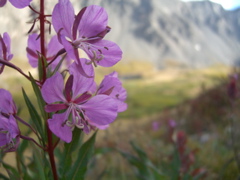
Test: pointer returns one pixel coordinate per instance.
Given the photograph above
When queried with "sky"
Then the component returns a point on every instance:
(227, 4)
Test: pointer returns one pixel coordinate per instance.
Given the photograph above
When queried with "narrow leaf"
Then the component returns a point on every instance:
(39, 164)
(139, 151)
(22, 147)
(12, 172)
(2, 177)
(79, 169)
(35, 118)
(40, 100)
(41, 66)
(69, 148)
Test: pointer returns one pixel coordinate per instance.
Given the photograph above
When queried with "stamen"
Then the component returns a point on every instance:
(100, 58)
(80, 126)
(77, 120)
(69, 124)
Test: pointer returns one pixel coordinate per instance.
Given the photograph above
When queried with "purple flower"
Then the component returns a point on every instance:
(172, 123)
(155, 125)
(9, 131)
(112, 86)
(85, 31)
(5, 53)
(75, 103)
(51, 50)
(16, 3)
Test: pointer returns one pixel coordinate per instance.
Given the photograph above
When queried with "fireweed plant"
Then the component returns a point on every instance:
(69, 100)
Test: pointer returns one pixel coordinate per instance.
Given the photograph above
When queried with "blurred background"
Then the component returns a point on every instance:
(180, 69)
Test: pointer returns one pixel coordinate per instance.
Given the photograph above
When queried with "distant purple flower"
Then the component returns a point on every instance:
(172, 123)
(16, 3)
(5, 53)
(112, 86)
(78, 108)
(9, 131)
(51, 50)
(155, 125)
(85, 31)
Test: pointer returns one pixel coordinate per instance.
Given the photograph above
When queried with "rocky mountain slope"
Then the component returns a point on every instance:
(163, 32)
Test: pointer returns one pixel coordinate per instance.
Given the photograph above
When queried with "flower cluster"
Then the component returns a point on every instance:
(85, 31)
(80, 103)
(77, 102)
(9, 131)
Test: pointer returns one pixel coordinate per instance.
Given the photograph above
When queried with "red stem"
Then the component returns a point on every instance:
(42, 37)
(28, 125)
(6, 63)
(33, 9)
(51, 154)
(50, 148)
(31, 139)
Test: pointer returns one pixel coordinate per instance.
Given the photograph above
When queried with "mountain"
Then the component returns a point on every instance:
(163, 32)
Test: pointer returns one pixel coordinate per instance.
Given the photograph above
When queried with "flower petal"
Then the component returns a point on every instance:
(10, 126)
(7, 104)
(13, 127)
(111, 82)
(100, 127)
(52, 89)
(7, 42)
(93, 21)
(53, 48)
(101, 110)
(63, 17)
(2, 2)
(55, 107)
(3, 123)
(3, 139)
(59, 128)
(122, 106)
(32, 48)
(81, 84)
(20, 3)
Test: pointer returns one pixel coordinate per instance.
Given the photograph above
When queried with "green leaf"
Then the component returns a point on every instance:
(35, 118)
(2, 177)
(143, 172)
(12, 172)
(40, 100)
(41, 66)
(22, 147)
(146, 169)
(175, 165)
(69, 148)
(77, 172)
(39, 165)
(103, 150)
(140, 152)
